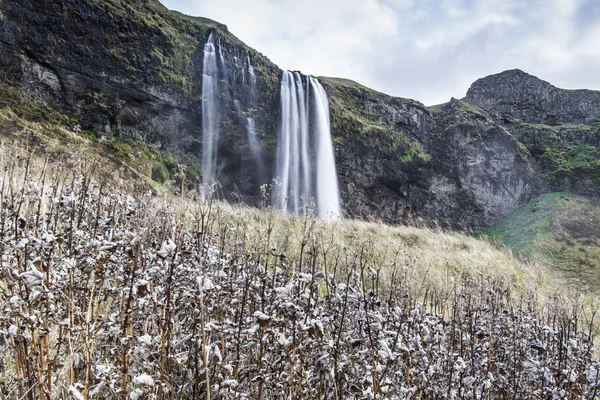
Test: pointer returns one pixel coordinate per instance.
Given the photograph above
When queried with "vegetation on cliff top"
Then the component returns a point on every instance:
(353, 118)
(139, 42)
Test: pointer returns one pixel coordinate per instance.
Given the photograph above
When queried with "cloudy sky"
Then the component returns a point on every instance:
(429, 50)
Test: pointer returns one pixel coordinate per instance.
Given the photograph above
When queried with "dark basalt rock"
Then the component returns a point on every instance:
(471, 173)
(520, 97)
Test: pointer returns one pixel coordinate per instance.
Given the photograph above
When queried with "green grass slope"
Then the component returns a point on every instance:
(559, 230)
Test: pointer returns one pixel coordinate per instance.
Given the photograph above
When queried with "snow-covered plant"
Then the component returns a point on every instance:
(110, 293)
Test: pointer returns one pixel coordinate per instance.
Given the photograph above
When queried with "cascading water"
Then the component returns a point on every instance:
(250, 123)
(292, 152)
(210, 123)
(253, 140)
(305, 159)
(222, 57)
(251, 134)
(328, 195)
(295, 169)
(252, 77)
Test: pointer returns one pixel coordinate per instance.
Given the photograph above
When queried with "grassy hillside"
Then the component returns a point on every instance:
(436, 255)
(50, 133)
(559, 230)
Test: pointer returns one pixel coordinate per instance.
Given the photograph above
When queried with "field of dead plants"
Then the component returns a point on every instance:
(109, 291)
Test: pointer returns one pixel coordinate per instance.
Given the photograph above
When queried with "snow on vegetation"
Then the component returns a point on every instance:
(107, 294)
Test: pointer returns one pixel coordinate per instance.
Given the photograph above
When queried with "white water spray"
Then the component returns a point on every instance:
(328, 197)
(252, 74)
(210, 124)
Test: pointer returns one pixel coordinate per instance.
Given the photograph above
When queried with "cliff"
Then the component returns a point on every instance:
(128, 74)
(520, 97)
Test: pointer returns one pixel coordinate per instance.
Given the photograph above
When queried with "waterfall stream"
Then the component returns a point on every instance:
(210, 123)
(251, 133)
(328, 195)
(305, 164)
(305, 170)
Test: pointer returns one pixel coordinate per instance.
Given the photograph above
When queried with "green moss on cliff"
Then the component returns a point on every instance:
(572, 160)
(413, 151)
(145, 159)
(35, 111)
(471, 110)
(48, 124)
(162, 46)
(357, 110)
(565, 151)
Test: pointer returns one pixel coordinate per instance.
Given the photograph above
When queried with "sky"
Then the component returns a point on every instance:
(428, 50)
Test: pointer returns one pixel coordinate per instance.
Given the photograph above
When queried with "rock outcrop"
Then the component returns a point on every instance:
(130, 72)
(403, 162)
(519, 97)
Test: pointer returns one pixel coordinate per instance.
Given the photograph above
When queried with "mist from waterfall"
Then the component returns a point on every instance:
(210, 123)
(305, 171)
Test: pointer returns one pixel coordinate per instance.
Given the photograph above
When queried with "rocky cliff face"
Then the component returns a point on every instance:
(519, 97)
(129, 73)
(560, 128)
(402, 162)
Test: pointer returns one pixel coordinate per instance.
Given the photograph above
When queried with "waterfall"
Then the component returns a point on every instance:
(222, 57)
(253, 140)
(251, 133)
(210, 124)
(252, 76)
(250, 124)
(328, 195)
(305, 164)
(292, 153)
(295, 168)
(283, 142)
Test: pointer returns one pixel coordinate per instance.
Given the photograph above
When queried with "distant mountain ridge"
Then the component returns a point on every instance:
(521, 97)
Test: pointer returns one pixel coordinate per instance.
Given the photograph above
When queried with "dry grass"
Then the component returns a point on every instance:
(430, 256)
(424, 254)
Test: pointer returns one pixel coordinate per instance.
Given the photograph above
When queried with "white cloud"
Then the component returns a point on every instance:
(430, 50)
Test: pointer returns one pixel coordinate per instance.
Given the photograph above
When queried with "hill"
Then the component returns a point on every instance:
(559, 230)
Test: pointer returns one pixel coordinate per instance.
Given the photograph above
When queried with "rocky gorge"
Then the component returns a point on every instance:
(129, 74)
